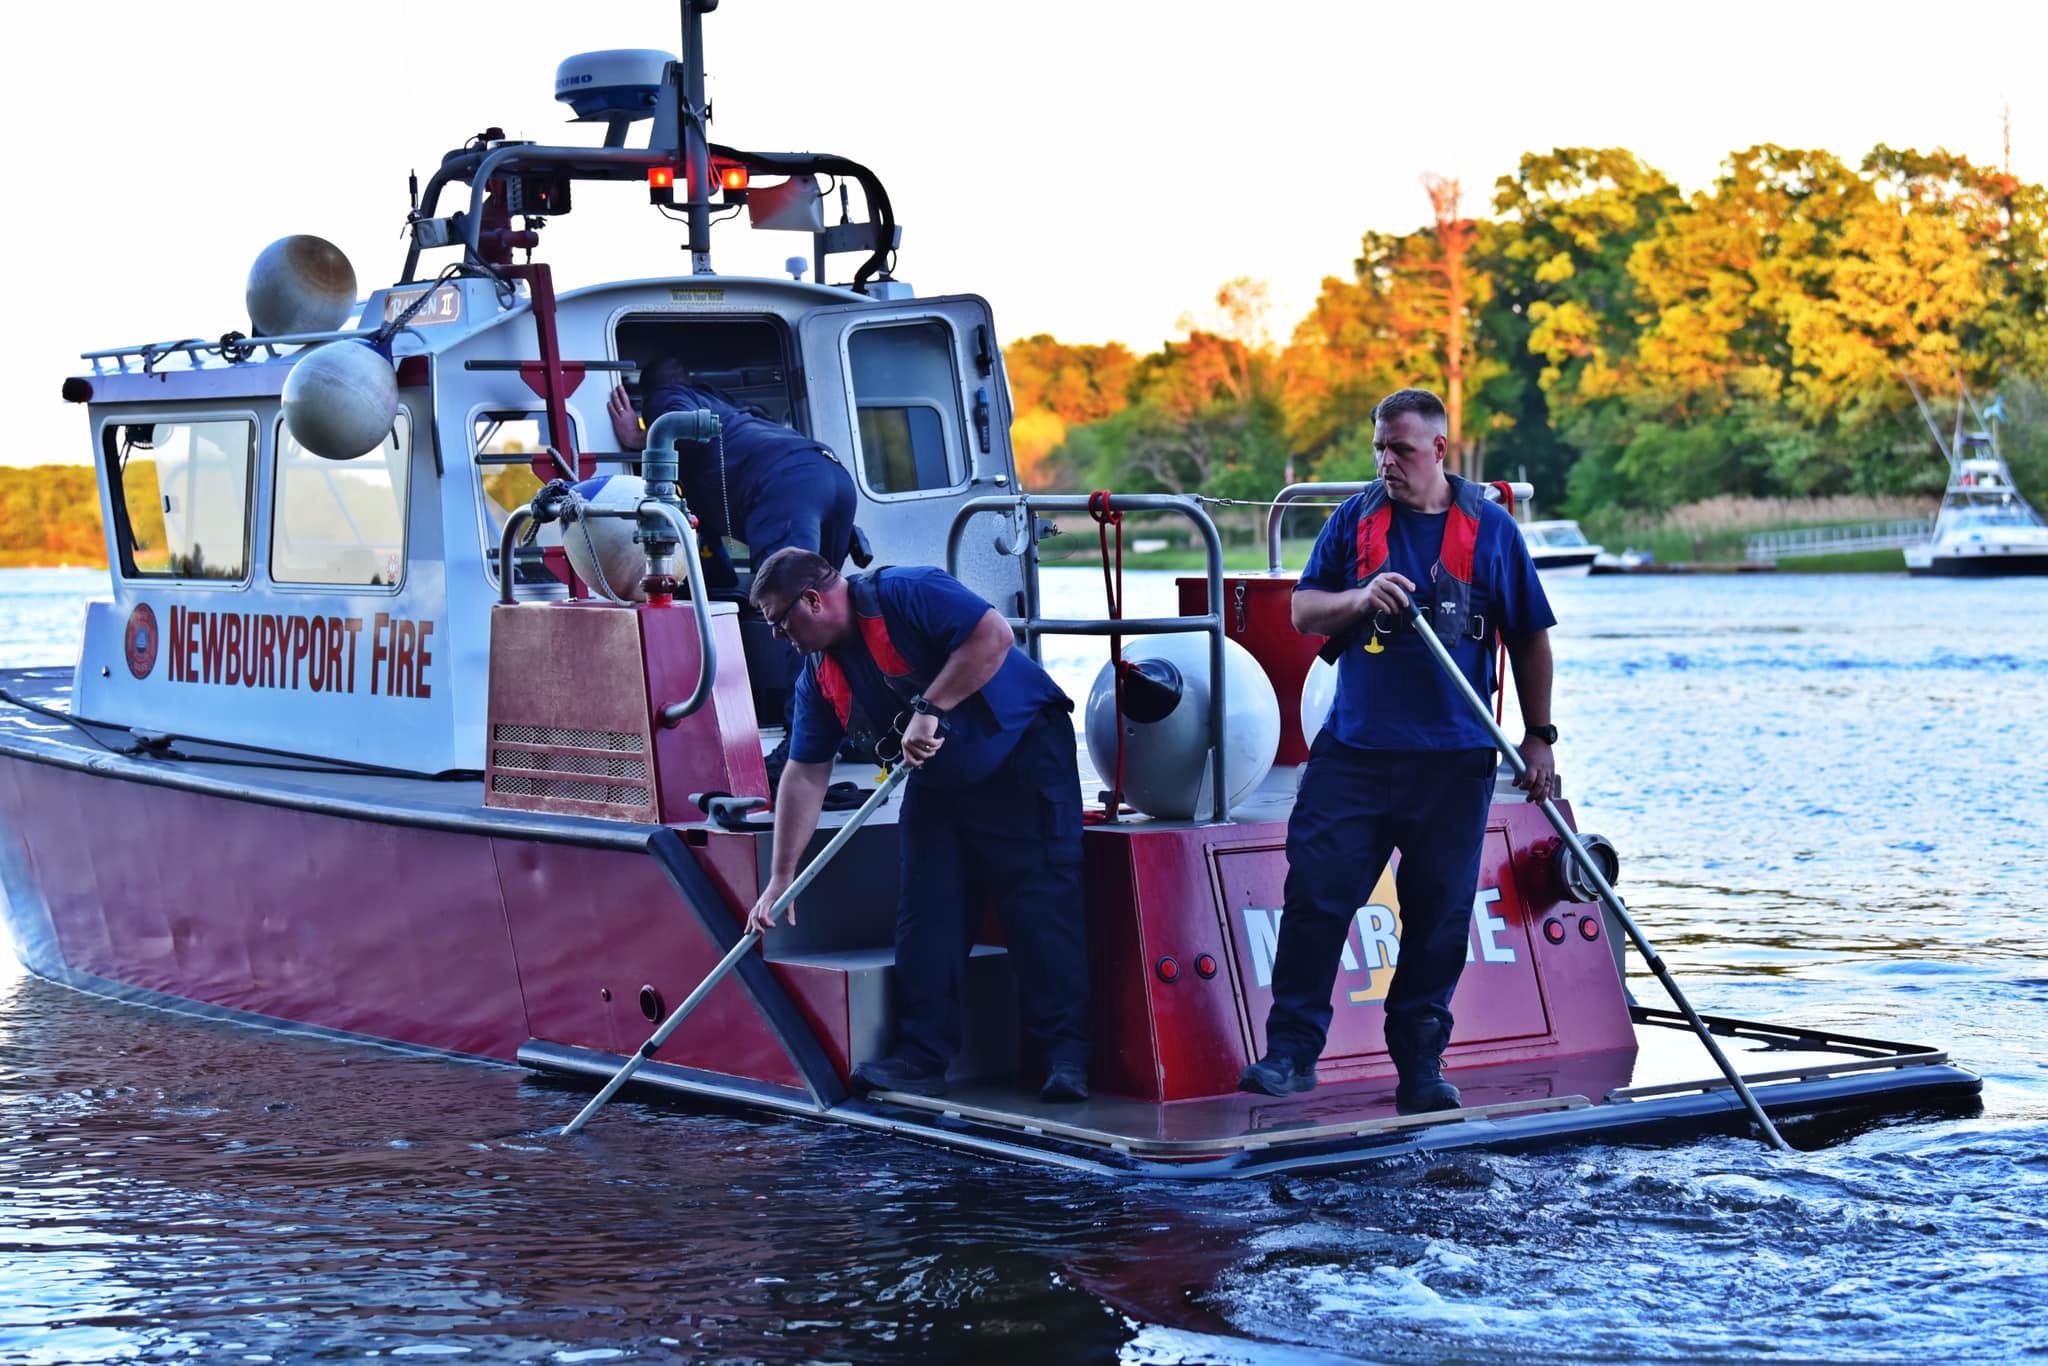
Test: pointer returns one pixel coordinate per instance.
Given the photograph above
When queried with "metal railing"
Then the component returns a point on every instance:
(1294, 493)
(194, 349)
(1838, 540)
(1033, 625)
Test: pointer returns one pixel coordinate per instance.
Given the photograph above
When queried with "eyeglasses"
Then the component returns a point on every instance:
(778, 625)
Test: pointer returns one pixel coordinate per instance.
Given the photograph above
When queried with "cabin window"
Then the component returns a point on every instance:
(181, 497)
(907, 397)
(340, 521)
(505, 444)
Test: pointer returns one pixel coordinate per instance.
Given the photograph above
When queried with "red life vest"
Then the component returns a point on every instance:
(865, 597)
(1447, 598)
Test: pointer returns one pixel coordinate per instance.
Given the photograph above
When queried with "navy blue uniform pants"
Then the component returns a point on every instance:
(805, 500)
(1356, 807)
(1012, 840)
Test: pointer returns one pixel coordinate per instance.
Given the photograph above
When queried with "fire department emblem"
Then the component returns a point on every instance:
(141, 640)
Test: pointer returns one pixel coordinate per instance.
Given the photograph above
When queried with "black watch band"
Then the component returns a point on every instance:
(924, 706)
(1547, 734)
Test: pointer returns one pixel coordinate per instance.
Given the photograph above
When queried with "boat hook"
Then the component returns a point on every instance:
(1591, 868)
(739, 950)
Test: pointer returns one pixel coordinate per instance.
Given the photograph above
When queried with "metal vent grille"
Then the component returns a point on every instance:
(596, 765)
(618, 741)
(606, 794)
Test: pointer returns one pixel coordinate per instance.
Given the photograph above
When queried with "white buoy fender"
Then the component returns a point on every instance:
(300, 284)
(622, 560)
(1166, 760)
(341, 399)
(1318, 695)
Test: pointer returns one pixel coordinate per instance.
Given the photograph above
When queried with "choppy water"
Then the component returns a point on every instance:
(1830, 800)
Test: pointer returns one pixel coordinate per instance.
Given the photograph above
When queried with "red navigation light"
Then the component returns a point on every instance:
(1205, 966)
(1553, 930)
(1589, 928)
(661, 185)
(733, 178)
(1168, 969)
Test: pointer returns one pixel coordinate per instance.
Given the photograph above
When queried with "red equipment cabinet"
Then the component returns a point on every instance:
(1257, 614)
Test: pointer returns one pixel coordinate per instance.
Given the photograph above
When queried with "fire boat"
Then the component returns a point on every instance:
(372, 739)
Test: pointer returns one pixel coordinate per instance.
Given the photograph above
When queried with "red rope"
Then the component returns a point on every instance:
(1113, 590)
(1500, 667)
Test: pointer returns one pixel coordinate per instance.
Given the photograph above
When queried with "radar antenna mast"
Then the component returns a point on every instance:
(696, 145)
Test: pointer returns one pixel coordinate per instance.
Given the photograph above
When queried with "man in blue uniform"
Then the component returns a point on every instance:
(1402, 763)
(760, 482)
(993, 814)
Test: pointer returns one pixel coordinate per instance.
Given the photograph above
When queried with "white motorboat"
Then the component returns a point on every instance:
(1985, 527)
(1559, 547)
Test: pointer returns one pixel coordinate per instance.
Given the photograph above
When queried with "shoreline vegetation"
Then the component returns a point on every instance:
(1675, 371)
(1627, 348)
(52, 521)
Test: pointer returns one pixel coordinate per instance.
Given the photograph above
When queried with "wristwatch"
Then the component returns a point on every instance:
(1547, 734)
(924, 706)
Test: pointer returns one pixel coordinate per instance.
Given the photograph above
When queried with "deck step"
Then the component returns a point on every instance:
(988, 1023)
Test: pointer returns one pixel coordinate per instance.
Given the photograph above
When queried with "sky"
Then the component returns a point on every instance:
(1095, 170)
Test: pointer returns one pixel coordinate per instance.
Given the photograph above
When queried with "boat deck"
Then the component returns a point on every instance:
(1664, 1085)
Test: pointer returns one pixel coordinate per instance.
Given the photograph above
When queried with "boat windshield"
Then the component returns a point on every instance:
(2005, 514)
(1553, 535)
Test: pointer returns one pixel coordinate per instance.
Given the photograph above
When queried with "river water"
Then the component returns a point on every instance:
(1830, 800)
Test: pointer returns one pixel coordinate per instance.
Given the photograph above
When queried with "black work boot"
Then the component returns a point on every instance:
(899, 1074)
(1417, 1048)
(1274, 1075)
(1065, 1081)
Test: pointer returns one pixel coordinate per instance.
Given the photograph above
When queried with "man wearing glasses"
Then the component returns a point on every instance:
(993, 815)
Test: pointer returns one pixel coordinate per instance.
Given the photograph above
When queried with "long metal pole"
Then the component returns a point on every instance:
(738, 951)
(1598, 879)
(696, 146)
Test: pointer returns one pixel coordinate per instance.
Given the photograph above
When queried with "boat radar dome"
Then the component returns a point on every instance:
(300, 284)
(619, 84)
(340, 400)
(1166, 725)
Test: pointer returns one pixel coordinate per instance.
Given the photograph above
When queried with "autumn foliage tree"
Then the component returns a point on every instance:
(1629, 344)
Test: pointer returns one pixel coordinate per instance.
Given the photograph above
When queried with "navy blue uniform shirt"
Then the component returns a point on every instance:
(1399, 699)
(754, 448)
(930, 614)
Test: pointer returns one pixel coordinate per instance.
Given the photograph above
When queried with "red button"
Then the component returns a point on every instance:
(1553, 930)
(1589, 929)
(1169, 970)
(1205, 966)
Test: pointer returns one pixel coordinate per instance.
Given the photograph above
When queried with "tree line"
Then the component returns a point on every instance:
(50, 515)
(1625, 344)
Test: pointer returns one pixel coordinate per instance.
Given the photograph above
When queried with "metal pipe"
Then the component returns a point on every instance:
(514, 524)
(739, 950)
(1599, 880)
(526, 154)
(1128, 626)
(696, 146)
(700, 604)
